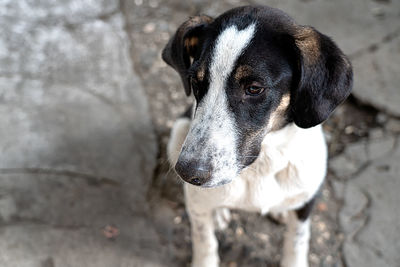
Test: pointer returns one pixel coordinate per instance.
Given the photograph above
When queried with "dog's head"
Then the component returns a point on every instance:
(252, 71)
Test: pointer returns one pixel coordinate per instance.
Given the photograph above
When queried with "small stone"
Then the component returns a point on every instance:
(239, 231)
(326, 193)
(177, 220)
(328, 259)
(314, 258)
(349, 129)
(322, 206)
(263, 237)
(326, 235)
(149, 27)
(321, 226)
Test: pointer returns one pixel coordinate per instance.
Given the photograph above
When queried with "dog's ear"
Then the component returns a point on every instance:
(324, 80)
(184, 46)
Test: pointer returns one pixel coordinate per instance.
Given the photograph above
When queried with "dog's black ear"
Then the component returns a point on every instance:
(184, 46)
(325, 77)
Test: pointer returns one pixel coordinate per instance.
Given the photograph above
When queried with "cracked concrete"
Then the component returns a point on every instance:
(369, 213)
(377, 80)
(86, 105)
(78, 147)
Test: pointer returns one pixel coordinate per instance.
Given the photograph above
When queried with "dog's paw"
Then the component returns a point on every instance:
(222, 217)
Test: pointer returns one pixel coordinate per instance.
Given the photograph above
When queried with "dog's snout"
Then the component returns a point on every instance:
(193, 171)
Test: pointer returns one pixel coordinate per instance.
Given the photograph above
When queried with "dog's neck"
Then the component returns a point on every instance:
(280, 147)
(282, 137)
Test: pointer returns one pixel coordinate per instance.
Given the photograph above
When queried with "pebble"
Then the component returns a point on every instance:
(177, 220)
(239, 231)
(149, 27)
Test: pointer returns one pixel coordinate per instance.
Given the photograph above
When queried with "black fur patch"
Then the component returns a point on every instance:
(188, 113)
(304, 212)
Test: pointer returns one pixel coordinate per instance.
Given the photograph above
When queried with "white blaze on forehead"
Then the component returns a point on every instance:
(212, 136)
(229, 45)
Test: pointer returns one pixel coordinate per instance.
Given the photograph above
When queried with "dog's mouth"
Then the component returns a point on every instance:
(211, 184)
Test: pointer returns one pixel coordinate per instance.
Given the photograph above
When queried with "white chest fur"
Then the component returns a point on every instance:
(287, 173)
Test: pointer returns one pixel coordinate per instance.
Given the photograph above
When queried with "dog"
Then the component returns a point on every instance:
(262, 85)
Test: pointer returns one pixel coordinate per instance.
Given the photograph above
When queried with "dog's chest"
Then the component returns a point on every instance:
(283, 177)
(272, 182)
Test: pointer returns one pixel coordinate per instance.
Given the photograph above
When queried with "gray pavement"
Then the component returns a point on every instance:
(77, 144)
(86, 105)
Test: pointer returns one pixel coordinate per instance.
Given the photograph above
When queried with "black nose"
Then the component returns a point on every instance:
(193, 172)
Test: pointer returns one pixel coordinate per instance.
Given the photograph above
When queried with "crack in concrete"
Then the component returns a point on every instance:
(375, 46)
(102, 16)
(92, 180)
(363, 215)
(38, 222)
(378, 253)
(136, 69)
(128, 29)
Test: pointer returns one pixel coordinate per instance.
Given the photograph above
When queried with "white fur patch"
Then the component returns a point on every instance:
(212, 136)
(230, 44)
(296, 243)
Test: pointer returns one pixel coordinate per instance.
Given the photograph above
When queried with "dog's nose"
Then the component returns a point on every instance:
(193, 172)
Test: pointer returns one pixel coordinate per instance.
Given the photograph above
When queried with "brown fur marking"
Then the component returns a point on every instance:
(277, 116)
(190, 43)
(242, 71)
(307, 41)
(201, 73)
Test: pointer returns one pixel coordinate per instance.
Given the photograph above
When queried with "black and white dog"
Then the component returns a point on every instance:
(262, 84)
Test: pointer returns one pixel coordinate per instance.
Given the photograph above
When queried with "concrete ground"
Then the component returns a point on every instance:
(86, 105)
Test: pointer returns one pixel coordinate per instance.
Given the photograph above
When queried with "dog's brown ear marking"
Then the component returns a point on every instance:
(307, 40)
(325, 77)
(191, 44)
(201, 72)
(184, 46)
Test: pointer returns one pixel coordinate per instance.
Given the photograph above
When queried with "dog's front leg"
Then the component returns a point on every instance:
(204, 242)
(296, 241)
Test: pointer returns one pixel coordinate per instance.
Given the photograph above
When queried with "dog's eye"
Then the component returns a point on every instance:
(254, 89)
